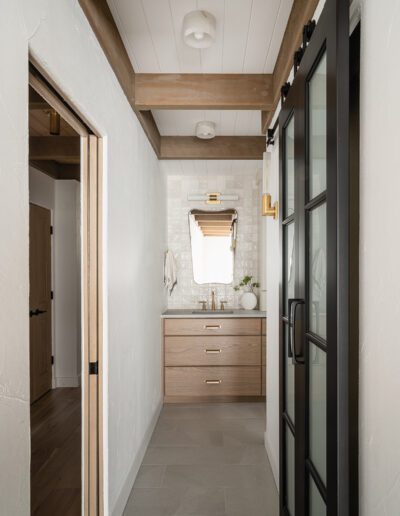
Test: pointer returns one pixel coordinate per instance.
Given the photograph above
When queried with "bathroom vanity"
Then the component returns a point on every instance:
(213, 356)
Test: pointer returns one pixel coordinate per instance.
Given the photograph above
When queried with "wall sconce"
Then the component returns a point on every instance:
(269, 210)
(212, 198)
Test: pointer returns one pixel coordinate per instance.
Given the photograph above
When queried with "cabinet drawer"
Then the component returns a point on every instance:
(213, 381)
(200, 326)
(218, 350)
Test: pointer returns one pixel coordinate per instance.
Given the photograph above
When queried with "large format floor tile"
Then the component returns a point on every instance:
(206, 460)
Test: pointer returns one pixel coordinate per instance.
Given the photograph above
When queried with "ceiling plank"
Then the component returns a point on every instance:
(57, 148)
(102, 22)
(220, 147)
(302, 11)
(203, 91)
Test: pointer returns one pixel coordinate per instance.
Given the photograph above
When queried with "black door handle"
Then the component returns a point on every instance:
(292, 350)
(32, 313)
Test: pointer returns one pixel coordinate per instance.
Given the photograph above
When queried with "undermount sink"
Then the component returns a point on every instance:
(211, 312)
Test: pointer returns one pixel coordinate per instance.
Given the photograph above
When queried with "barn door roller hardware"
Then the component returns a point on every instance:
(308, 30)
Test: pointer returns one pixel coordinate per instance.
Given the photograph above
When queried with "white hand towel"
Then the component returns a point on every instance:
(170, 278)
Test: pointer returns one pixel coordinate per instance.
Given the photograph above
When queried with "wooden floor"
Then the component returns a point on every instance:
(56, 454)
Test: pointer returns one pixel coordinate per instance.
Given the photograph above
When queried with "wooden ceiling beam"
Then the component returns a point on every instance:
(55, 148)
(57, 170)
(203, 91)
(102, 22)
(302, 11)
(220, 147)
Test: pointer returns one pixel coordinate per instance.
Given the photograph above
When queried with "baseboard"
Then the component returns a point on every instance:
(130, 480)
(67, 381)
(272, 460)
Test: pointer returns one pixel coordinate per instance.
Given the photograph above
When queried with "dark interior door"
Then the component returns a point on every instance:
(314, 337)
(40, 301)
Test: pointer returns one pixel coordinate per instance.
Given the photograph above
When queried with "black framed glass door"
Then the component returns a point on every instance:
(314, 197)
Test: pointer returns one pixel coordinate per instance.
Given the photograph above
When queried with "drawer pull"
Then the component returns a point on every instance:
(213, 382)
(212, 351)
(212, 327)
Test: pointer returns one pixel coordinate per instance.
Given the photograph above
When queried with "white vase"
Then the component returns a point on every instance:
(248, 300)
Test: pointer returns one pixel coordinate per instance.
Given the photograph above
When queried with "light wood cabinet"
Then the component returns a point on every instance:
(209, 359)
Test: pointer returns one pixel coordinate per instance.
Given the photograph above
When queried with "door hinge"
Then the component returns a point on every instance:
(52, 359)
(51, 230)
(94, 367)
(52, 294)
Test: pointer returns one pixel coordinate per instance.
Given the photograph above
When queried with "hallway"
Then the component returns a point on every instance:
(206, 460)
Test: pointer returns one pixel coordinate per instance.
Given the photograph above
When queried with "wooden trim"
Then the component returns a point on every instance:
(102, 22)
(39, 85)
(57, 148)
(302, 11)
(203, 91)
(85, 325)
(100, 226)
(220, 147)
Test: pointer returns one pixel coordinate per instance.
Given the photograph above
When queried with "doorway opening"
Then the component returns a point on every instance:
(65, 196)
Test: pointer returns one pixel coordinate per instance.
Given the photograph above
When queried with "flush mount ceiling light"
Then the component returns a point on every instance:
(205, 130)
(199, 29)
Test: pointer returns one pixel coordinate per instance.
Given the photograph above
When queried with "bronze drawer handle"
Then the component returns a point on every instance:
(213, 382)
(212, 327)
(213, 351)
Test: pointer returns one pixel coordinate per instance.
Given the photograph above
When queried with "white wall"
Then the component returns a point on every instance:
(273, 275)
(67, 299)
(379, 259)
(197, 177)
(59, 36)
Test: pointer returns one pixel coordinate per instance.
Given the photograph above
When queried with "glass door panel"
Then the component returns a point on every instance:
(317, 129)
(289, 266)
(317, 271)
(317, 409)
(317, 504)
(289, 391)
(289, 169)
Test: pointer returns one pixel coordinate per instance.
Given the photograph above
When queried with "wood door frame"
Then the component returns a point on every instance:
(91, 287)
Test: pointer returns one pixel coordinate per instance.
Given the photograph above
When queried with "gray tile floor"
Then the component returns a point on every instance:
(206, 460)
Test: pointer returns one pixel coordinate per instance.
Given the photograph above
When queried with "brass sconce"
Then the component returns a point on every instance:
(269, 210)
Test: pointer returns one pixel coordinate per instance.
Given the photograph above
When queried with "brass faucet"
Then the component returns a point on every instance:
(213, 307)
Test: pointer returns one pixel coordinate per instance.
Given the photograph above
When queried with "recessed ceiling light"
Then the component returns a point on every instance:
(205, 130)
(199, 29)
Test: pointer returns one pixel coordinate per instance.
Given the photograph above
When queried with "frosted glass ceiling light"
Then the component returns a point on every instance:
(199, 29)
(205, 130)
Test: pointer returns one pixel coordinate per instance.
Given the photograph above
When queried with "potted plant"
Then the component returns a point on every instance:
(248, 299)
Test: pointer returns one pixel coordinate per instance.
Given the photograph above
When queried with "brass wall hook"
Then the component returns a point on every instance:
(267, 209)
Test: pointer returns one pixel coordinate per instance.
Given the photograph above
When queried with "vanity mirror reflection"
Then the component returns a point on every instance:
(213, 242)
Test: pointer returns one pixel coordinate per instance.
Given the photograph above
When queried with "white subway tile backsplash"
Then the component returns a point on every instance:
(187, 293)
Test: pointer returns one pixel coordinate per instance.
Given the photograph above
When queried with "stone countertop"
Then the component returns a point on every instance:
(191, 313)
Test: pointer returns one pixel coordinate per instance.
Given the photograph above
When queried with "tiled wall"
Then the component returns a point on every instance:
(194, 177)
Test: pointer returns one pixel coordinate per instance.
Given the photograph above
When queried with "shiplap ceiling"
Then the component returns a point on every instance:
(249, 35)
